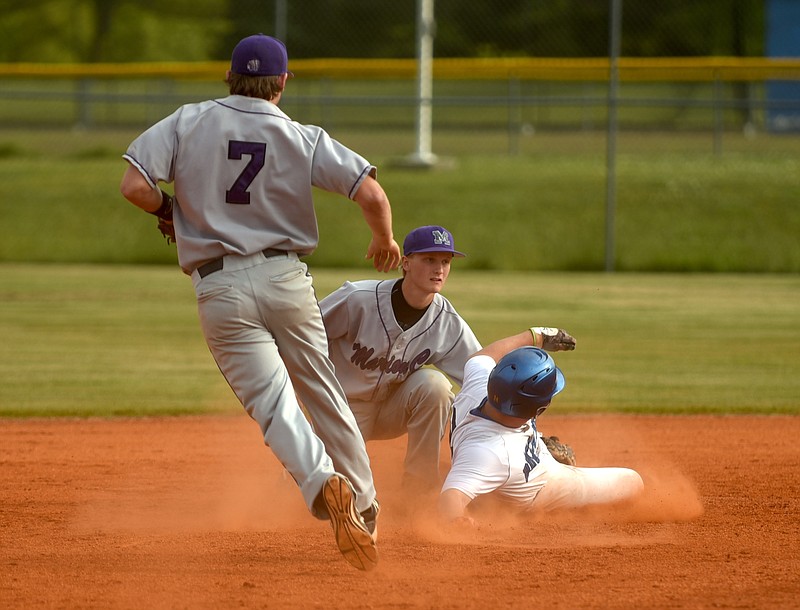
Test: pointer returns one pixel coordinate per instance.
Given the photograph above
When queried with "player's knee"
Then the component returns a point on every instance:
(432, 387)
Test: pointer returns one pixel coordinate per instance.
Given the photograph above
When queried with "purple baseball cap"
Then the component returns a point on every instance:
(260, 55)
(430, 238)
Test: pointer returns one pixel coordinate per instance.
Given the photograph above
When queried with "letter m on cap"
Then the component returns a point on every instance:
(441, 237)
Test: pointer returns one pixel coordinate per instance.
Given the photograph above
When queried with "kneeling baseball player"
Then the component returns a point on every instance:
(381, 336)
(497, 448)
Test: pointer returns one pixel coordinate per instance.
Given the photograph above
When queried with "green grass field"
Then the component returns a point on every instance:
(107, 340)
(678, 207)
(703, 316)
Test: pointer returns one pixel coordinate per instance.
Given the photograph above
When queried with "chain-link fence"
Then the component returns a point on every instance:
(558, 89)
(522, 78)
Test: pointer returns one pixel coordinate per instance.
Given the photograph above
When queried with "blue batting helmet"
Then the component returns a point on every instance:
(524, 382)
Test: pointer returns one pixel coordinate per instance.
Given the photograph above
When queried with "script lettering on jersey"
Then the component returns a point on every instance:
(531, 459)
(363, 358)
(258, 154)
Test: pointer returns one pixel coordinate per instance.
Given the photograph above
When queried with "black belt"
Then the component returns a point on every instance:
(215, 265)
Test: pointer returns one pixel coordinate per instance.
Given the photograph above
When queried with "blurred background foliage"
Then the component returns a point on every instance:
(198, 30)
(707, 168)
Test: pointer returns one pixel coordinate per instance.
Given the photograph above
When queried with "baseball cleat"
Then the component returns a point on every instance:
(352, 535)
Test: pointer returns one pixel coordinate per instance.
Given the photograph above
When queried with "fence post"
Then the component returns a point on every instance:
(717, 104)
(611, 150)
(514, 115)
(423, 156)
(83, 99)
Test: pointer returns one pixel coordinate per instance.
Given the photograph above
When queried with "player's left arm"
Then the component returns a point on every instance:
(377, 212)
(550, 339)
(335, 311)
(498, 349)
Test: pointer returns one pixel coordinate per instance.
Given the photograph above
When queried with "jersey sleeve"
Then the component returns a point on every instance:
(153, 152)
(453, 362)
(338, 169)
(335, 313)
(477, 470)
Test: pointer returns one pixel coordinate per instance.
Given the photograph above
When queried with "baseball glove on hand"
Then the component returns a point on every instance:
(167, 229)
(553, 339)
(561, 452)
(164, 215)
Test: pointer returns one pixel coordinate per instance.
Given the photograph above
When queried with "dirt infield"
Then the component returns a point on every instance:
(195, 513)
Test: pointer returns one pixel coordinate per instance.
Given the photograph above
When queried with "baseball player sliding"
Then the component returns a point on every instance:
(381, 335)
(497, 449)
(241, 217)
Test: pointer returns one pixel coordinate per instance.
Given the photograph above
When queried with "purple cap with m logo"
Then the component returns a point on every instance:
(430, 238)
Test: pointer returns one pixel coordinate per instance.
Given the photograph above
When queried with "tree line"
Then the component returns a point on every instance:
(200, 30)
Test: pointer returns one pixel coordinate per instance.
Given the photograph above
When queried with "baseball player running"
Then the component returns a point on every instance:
(242, 216)
(381, 335)
(497, 449)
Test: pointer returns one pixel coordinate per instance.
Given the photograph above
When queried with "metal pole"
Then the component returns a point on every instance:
(615, 27)
(514, 115)
(424, 121)
(280, 20)
(717, 103)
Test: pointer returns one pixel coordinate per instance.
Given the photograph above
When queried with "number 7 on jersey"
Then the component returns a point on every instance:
(238, 194)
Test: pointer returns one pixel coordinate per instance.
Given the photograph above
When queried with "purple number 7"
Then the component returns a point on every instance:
(258, 152)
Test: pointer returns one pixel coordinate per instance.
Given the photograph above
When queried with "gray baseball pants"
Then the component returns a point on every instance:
(419, 406)
(262, 323)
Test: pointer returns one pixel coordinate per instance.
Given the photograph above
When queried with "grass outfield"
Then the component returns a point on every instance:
(679, 207)
(103, 340)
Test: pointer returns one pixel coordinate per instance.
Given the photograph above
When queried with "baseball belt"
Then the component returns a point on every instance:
(218, 263)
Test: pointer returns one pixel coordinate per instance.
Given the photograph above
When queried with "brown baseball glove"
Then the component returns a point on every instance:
(553, 339)
(167, 229)
(561, 452)
(164, 215)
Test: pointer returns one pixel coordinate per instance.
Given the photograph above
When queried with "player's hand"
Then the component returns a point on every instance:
(167, 228)
(385, 256)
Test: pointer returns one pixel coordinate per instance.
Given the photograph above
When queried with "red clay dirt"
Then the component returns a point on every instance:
(195, 512)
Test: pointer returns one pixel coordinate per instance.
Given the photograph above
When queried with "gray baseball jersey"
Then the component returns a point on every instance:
(241, 159)
(372, 353)
(243, 174)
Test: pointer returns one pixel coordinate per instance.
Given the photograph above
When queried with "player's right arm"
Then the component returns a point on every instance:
(477, 470)
(383, 249)
(136, 189)
(453, 504)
